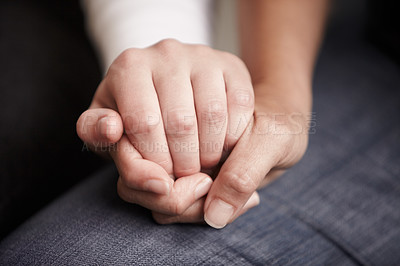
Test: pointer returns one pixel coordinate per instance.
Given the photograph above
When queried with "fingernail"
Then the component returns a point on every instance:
(218, 214)
(157, 186)
(243, 98)
(253, 201)
(203, 188)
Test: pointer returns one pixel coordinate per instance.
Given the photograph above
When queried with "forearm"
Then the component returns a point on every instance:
(279, 43)
(114, 26)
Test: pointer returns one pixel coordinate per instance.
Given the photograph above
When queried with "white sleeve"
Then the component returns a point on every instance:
(115, 25)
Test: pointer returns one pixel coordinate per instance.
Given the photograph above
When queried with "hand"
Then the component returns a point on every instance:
(275, 139)
(173, 101)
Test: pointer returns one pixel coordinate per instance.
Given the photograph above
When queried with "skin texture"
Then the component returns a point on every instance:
(179, 126)
(192, 98)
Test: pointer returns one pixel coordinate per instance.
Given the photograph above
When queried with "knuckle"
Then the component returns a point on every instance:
(127, 59)
(215, 114)
(242, 184)
(130, 61)
(180, 123)
(141, 122)
(243, 98)
(168, 47)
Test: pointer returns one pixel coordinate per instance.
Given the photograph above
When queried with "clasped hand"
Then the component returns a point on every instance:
(175, 115)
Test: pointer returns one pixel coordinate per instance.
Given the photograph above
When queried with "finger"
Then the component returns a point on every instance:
(211, 110)
(137, 103)
(193, 214)
(184, 193)
(177, 107)
(240, 98)
(99, 128)
(238, 178)
(137, 173)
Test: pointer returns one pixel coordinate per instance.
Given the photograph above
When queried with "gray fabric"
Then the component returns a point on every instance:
(91, 225)
(339, 206)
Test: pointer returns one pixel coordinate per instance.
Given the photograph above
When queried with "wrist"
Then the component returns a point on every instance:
(285, 97)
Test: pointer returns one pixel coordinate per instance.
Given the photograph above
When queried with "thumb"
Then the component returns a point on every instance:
(99, 128)
(238, 179)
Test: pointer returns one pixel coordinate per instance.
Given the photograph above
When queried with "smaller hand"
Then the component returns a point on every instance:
(146, 183)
